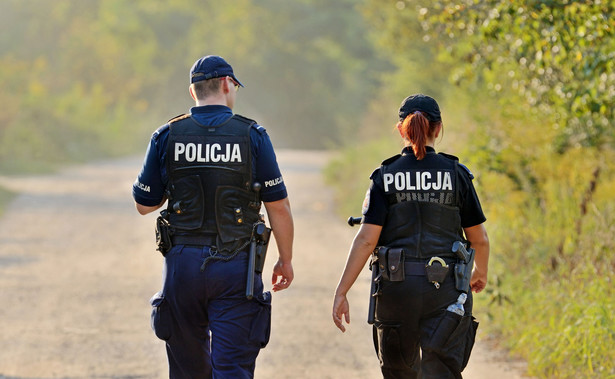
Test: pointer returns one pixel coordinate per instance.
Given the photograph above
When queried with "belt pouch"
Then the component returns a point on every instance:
(383, 258)
(395, 265)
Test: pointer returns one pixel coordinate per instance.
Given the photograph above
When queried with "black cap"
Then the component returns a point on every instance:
(209, 67)
(422, 103)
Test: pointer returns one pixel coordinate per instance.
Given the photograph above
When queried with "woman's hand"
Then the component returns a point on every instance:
(341, 308)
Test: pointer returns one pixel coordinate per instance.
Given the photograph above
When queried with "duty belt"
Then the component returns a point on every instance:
(417, 268)
(206, 240)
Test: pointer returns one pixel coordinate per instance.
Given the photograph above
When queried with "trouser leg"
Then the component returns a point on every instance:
(239, 327)
(443, 352)
(396, 330)
(188, 349)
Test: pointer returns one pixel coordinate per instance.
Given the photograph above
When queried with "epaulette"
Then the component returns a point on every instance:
(178, 117)
(259, 128)
(467, 170)
(391, 160)
(160, 130)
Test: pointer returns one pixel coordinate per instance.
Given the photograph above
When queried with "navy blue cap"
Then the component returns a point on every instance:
(422, 103)
(209, 67)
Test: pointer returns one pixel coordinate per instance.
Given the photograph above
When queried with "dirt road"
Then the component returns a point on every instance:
(78, 266)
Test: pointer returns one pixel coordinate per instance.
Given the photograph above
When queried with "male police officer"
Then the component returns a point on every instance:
(213, 168)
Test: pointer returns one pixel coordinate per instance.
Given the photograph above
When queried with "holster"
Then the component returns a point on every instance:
(463, 272)
(391, 263)
(262, 243)
(164, 232)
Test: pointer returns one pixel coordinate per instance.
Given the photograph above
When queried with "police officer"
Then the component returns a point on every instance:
(213, 168)
(418, 205)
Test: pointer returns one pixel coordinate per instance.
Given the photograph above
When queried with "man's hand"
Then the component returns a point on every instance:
(341, 308)
(282, 275)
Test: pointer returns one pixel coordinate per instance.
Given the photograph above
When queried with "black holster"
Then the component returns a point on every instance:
(164, 232)
(463, 270)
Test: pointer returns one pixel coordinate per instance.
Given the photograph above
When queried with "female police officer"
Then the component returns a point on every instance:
(420, 204)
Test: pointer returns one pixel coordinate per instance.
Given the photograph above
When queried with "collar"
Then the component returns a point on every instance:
(408, 150)
(210, 109)
(209, 115)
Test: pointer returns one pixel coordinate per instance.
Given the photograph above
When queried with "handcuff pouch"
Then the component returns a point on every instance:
(436, 273)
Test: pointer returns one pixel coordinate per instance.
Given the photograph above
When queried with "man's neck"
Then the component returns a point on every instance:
(211, 101)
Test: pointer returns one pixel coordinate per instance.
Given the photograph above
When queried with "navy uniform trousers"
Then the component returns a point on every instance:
(406, 336)
(210, 328)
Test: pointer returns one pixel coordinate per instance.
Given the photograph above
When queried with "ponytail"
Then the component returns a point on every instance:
(416, 129)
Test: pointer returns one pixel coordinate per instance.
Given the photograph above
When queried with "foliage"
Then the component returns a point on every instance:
(535, 82)
(558, 55)
(82, 80)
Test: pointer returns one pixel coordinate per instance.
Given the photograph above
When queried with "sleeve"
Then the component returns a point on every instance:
(265, 166)
(471, 210)
(375, 206)
(148, 189)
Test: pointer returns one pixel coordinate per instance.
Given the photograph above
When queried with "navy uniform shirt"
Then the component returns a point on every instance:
(149, 187)
(376, 206)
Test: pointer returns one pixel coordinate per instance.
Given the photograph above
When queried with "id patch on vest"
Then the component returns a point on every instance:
(197, 150)
(434, 186)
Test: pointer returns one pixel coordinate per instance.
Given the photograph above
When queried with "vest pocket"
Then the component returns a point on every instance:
(188, 202)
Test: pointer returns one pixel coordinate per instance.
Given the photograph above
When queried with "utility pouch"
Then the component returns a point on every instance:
(391, 263)
(163, 235)
(395, 265)
(436, 271)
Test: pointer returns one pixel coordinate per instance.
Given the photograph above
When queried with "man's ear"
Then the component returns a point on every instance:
(191, 89)
(225, 87)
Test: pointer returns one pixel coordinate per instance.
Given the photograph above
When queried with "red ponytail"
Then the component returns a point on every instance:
(416, 129)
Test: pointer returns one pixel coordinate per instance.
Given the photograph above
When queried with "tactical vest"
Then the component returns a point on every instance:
(423, 199)
(210, 181)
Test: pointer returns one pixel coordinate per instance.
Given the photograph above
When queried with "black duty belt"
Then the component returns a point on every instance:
(418, 268)
(194, 240)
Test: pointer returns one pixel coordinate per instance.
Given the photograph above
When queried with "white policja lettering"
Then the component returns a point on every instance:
(192, 152)
(423, 181)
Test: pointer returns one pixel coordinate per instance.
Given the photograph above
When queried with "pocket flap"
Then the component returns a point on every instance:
(396, 259)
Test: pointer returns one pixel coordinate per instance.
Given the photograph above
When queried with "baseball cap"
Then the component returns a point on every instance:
(420, 102)
(209, 67)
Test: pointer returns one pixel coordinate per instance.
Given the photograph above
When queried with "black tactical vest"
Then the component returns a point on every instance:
(210, 181)
(423, 199)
